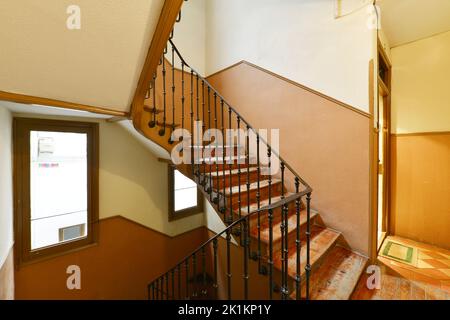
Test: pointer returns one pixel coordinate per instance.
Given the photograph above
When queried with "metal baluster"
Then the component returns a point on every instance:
(270, 218)
(162, 287)
(216, 152)
(246, 255)
(258, 201)
(167, 286)
(230, 165)
(194, 275)
(149, 290)
(308, 242)
(152, 122)
(173, 95)
(192, 123)
(179, 282)
(247, 161)
(229, 275)
(223, 160)
(215, 285)
(173, 284)
(204, 291)
(209, 190)
(283, 226)
(187, 278)
(203, 131)
(163, 130)
(157, 288)
(238, 120)
(197, 128)
(297, 243)
(182, 94)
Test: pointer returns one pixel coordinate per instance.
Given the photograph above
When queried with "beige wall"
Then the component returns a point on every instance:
(190, 35)
(6, 200)
(327, 54)
(133, 183)
(326, 142)
(420, 85)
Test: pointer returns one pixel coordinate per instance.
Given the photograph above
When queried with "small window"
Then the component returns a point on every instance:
(56, 186)
(185, 198)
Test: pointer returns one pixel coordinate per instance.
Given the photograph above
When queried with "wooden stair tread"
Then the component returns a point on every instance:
(322, 239)
(220, 159)
(262, 203)
(292, 226)
(221, 173)
(337, 276)
(253, 186)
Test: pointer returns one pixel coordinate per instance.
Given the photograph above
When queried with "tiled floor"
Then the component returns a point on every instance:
(429, 280)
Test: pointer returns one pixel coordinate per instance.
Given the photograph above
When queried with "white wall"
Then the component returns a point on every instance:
(6, 192)
(190, 34)
(133, 183)
(420, 85)
(298, 39)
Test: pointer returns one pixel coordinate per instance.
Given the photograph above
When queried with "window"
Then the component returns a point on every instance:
(184, 197)
(56, 186)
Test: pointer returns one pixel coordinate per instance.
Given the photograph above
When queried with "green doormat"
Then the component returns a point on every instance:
(399, 252)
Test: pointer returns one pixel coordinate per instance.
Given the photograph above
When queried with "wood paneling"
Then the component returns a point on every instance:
(128, 256)
(7, 277)
(325, 141)
(420, 182)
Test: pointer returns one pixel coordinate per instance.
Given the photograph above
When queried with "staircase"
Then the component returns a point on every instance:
(274, 246)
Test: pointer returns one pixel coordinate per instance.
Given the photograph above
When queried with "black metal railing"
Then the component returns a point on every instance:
(275, 183)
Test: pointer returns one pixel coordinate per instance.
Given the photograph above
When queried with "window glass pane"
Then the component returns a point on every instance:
(58, 181)
(185, 192)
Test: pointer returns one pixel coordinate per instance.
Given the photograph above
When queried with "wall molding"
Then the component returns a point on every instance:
(149, 228)
(3, 259)
(320, 94)
(425, 133)
(26, 99)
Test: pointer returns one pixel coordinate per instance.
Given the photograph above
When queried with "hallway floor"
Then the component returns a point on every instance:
(427, 278)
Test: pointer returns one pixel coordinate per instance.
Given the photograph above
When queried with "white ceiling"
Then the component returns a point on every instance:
(404, 21)
(97, 65)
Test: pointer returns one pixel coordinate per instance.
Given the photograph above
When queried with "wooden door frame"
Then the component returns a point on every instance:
(383, 88)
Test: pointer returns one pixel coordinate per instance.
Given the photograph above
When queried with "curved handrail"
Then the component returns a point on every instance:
(241, 117)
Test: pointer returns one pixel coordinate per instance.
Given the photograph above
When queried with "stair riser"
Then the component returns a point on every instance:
(212, 152)
(275, 190)
(206, 167)
(218, 182)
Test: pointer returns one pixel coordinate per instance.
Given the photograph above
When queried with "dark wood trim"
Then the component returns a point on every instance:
(166, 21)
(21, 131)
(340, 103)
(21, 98)
(373, 163)
(176, 215)
(428, 133)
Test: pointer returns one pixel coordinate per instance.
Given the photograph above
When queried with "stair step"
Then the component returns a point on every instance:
(233, 172)
(322, 240)
(225, 160)
(253, 186)
(337, 276)
(292, 226)
(263, 203)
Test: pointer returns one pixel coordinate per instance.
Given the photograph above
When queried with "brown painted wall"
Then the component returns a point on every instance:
(420, 182)
(325, 141)
(7, 278)
(128, 256)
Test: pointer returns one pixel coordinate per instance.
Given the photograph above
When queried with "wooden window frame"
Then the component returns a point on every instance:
(22, 211)
(180, 214)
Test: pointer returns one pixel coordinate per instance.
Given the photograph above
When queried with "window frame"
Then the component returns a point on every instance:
(22, 191)
(180, 214)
